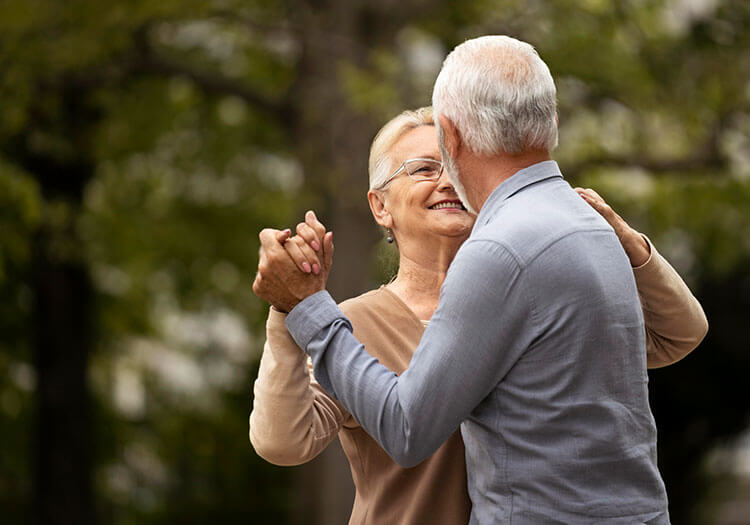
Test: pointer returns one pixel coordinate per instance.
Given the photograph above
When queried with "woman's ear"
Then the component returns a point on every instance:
(379, 211)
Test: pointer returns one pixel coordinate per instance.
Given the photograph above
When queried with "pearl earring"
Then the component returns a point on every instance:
(389, 239)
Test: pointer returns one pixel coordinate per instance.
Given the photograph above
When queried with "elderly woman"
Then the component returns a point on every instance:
(294, 419)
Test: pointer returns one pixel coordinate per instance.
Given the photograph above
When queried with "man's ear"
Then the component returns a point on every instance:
(377, 206)
(451, 136)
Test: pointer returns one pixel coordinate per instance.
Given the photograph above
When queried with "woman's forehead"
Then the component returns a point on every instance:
(418, 142)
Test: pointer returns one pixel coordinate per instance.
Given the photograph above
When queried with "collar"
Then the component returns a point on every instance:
(521, 179)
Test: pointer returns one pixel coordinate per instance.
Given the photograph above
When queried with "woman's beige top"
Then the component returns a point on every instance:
(294, 419)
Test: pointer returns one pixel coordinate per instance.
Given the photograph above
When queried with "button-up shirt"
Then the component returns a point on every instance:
(537, 350)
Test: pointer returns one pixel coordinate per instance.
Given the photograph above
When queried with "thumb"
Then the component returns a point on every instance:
(283, 235)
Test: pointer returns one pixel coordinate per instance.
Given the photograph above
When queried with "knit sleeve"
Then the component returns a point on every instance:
(293, 419)
(675, 322)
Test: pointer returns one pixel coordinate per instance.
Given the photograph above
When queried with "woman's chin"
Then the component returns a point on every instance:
(452, 230)
(456, 222)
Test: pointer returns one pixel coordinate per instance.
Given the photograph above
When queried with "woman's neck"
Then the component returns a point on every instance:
(421, 272)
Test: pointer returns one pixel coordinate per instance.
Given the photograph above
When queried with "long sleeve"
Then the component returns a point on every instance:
(411, 415)
(675, 322)
(293, 418)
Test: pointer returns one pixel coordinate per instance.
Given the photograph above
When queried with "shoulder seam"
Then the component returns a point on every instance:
(516, 258)
(523, 263)
(567, 234)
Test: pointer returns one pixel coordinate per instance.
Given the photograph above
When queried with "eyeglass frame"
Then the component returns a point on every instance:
(403, 168)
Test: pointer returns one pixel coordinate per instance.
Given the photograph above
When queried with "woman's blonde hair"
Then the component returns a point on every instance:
(381, 163)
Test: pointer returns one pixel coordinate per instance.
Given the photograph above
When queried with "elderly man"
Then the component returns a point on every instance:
(537, 346)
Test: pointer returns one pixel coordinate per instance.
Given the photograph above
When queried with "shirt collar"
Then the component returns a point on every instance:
(519, 180)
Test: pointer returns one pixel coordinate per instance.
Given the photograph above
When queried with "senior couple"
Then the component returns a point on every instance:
(523, 313)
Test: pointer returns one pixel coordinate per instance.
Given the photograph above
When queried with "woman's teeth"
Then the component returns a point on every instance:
(441, 205)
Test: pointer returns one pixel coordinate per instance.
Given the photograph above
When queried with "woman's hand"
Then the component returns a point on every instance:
(635, 245)
(305, 247)
(281, 257)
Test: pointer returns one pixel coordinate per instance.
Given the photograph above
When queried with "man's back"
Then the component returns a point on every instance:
(567, 434)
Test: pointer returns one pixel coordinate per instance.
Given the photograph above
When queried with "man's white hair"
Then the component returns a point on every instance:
(499, 94)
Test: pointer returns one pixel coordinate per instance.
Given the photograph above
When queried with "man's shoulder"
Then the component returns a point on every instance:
(522, 236)
(532, 222)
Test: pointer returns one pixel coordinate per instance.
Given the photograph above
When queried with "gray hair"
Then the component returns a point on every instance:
(500, 96)
(381, 164)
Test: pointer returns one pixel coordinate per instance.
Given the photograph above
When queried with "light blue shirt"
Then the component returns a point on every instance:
(537, 349)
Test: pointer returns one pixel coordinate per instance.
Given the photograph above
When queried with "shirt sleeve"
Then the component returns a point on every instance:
(456, 365)
(293, 419)
(675, 322)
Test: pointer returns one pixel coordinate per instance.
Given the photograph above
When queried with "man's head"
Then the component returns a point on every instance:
(500, 97)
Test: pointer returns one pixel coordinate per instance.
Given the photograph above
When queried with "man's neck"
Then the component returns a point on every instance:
(488, 172)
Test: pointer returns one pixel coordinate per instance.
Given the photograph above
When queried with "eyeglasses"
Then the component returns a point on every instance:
(418, 169)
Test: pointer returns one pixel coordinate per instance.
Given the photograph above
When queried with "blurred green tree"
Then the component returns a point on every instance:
(143, 145)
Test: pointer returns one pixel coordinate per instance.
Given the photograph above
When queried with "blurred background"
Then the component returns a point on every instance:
(144, 144)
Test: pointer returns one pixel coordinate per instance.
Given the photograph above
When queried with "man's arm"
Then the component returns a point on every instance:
(478, 332)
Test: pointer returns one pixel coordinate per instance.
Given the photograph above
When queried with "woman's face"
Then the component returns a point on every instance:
(420, 209)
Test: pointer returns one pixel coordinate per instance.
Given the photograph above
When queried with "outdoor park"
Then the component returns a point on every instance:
(144, 144)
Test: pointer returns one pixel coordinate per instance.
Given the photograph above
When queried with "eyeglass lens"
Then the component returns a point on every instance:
(423, 169)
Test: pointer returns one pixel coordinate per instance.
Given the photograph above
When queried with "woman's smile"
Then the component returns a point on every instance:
(450, 205)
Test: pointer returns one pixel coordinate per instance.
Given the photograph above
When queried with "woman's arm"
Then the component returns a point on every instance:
(293, 418)
(675, 322)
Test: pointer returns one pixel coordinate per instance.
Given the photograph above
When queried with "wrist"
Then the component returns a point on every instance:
(636, 248)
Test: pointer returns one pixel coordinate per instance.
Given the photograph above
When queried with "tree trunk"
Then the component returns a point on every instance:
(333, 143)
(62, 313)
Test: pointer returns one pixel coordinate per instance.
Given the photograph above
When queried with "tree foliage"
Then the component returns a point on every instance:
(143, 145)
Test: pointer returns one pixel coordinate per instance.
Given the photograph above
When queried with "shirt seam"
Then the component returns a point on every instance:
(519, 260)
(501, 244)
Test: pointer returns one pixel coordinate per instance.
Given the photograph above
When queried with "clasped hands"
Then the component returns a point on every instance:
(291, 268)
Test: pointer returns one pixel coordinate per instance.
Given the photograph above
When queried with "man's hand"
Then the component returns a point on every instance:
(291, 269)
(635, 245)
